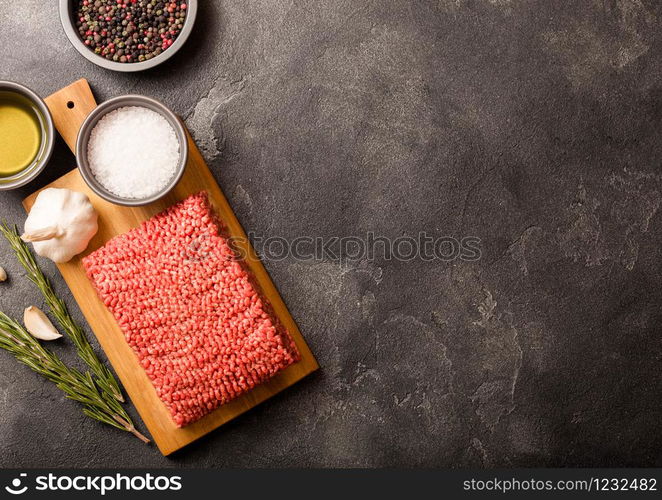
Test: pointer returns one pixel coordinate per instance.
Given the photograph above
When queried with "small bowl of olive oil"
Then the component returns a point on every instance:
(27, 135)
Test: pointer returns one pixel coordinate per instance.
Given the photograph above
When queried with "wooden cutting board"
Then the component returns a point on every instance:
(69, 108)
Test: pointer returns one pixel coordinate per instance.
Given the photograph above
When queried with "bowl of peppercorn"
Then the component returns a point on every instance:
(128, 35)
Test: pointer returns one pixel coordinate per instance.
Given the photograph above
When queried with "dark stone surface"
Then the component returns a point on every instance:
(533, 125)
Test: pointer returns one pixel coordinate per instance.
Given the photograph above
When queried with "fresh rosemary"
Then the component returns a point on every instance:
(104, 378)
(75, 384)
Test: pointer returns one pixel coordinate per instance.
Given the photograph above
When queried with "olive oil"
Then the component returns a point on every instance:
(21, 133)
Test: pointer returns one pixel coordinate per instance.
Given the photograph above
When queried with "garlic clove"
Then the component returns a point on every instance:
(3, 274)
(38, 324)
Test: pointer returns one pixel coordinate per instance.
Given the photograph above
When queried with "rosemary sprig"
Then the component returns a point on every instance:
(75, 384)
(104, 378)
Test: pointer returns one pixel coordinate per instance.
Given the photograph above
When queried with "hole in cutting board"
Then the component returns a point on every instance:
(70, 105)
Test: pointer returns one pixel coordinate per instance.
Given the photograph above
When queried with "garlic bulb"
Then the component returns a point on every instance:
(38, 324)
(61, 223)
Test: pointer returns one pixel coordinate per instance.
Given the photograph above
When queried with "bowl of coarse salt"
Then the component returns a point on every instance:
(131, 150)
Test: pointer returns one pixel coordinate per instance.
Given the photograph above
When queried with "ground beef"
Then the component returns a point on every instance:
(189, 310)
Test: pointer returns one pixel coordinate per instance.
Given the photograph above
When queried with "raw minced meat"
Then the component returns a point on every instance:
(189, 310)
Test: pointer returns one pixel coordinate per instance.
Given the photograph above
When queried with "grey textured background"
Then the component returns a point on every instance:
(534, 125)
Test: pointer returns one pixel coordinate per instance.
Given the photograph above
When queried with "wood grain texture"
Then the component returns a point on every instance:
(69, 108)
(115, 220)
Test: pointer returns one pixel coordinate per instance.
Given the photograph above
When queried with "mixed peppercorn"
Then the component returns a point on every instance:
(129, 31)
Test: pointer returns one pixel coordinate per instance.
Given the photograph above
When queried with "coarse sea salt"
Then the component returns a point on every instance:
(133, 152)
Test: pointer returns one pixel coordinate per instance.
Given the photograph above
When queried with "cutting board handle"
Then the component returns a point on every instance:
(69, 108)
